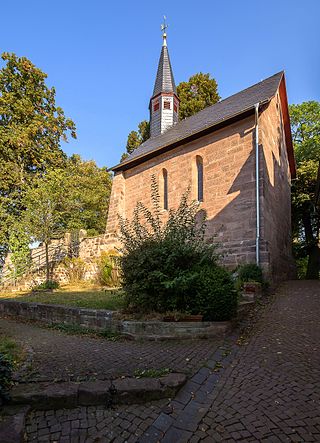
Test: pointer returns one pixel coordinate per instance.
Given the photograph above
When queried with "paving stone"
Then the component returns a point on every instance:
(268, 400)
(177, 436)
(163, 422)
(268, 389)
(86, 359)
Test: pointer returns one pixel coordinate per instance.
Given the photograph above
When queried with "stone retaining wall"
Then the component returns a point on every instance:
(88, 249)
(88, 318)
(101, 320)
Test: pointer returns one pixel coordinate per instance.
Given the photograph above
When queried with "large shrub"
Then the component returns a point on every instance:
(168, 266)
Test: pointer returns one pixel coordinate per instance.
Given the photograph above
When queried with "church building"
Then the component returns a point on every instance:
(237, 158)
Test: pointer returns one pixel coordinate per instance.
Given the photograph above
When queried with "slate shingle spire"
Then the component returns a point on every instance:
(164, 103)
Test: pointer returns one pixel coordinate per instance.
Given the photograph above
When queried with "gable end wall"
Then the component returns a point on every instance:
(275, 192)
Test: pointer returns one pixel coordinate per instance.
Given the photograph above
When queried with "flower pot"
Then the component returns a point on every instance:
(252, 287)
(192, 318)
(170, 318)
(183, 318)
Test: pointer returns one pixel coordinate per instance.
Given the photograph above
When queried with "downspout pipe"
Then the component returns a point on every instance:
(257, 183)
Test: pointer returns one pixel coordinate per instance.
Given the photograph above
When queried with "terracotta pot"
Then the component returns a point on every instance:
(169, 318)
(251, 287)
(191, 318)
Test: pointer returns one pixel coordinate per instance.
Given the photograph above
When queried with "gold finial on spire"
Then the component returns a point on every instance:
(164, 26)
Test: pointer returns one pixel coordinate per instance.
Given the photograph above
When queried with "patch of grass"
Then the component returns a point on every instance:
(11, 350)
(151, 373)
(80, 330)
(92, 299)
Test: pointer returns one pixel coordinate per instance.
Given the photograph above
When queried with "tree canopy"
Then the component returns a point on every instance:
(196, 94)
(305, 124)
(32, 127)
(87, 194)
(61, 200)
(135, 138)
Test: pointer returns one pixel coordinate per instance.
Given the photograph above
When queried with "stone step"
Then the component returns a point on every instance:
(12, 423)
(127, 390)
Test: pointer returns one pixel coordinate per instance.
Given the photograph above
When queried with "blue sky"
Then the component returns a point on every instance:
(102, 56)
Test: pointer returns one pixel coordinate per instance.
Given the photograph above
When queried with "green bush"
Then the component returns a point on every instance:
(6, 371)
(250, 272)
(217, 298)
(50, 284)
(168, 266)
(302, 266)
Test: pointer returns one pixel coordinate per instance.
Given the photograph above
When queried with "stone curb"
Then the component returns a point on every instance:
(12, 423)
(46, 396)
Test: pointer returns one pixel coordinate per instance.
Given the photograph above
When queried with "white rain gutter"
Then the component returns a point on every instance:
(257, 184)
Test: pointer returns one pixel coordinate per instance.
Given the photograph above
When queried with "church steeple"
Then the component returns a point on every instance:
(164, 103)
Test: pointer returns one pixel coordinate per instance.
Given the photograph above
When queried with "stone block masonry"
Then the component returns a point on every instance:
(229, 189)
(89, 250)
(102, 320)
(52, 314)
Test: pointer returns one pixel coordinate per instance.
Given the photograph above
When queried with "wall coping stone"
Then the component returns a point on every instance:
(101, 320)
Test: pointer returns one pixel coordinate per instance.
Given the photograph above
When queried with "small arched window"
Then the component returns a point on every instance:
(199, 162)
(165, 188)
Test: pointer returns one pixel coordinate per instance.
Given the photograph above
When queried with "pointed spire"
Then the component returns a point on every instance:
(164, 103)
(164, 79)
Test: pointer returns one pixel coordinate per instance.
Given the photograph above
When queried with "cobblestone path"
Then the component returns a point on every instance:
(265, 387)
(92, 424)
(58, 356)
(270, 387)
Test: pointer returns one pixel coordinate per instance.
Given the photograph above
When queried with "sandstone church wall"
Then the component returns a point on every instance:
(276, 191)
(229, 187)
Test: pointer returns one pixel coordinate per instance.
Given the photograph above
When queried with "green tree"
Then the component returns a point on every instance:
(61, 200)
(31, 129)
(44, 211)
(135, 138)
(87, 194)
(196, 94)
(19, 251)
(305, 123)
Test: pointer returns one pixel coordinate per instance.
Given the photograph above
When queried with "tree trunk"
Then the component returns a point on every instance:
(47, 262)
(313, 263)
(313, 267)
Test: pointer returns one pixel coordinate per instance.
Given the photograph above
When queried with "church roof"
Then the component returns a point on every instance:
(210, 118)
(164, 79)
